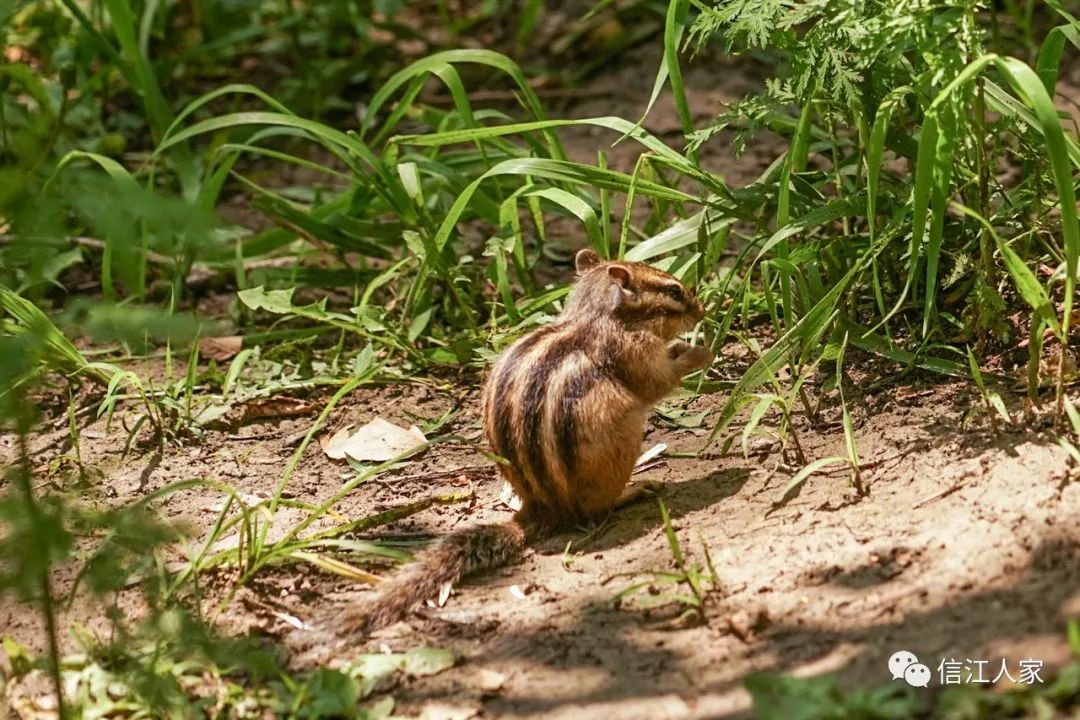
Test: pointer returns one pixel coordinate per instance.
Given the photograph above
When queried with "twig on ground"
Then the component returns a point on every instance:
(937, 496)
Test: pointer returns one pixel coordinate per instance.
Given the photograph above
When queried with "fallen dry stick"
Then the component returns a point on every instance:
(937, 496)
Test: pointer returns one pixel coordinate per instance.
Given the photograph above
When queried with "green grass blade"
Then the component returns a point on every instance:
(678, 236)
(1049, 61)
(1000, 101)
(672, 538)
(674, 24)
(939, 198)
(576, 207)
(233, 120)
(1030, 89)
(432, 63)
(559, 171)
(617, 124)
(876, 150)
(924, 183)
(158, 112)
(806, 332)
(60, 354)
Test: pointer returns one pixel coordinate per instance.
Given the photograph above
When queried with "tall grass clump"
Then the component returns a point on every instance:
(920, 188)
(425, 221)
(927, 174)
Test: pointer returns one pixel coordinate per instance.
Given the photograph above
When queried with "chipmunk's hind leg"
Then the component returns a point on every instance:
(638, 491)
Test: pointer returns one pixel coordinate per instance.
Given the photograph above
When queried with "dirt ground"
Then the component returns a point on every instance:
(966, 546)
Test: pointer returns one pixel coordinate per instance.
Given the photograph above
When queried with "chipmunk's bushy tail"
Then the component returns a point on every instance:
(458, 555)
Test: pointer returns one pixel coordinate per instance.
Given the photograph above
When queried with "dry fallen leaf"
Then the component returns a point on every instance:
(650, 454)
(277, 407)
(331, 443)
(220, 348)
(377, 441)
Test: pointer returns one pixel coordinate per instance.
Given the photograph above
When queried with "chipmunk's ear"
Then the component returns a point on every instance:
(619, 275)
(587, 259)
(620, 291)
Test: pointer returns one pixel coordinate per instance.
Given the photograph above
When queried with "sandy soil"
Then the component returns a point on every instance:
(966, 547)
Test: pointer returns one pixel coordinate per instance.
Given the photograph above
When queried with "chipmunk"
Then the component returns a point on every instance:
(566, 406)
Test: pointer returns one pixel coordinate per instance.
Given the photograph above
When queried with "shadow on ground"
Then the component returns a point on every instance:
(858, 583)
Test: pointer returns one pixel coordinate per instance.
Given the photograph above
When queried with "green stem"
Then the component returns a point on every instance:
(986, 243)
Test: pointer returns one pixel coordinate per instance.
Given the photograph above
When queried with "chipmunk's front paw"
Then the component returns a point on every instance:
(677, 348)
(693, 357)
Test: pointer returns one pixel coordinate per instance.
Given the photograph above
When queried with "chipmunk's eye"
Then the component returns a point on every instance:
(675, 292)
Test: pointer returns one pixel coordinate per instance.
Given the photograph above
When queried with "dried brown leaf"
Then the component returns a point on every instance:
(220, 348)
(377, 441)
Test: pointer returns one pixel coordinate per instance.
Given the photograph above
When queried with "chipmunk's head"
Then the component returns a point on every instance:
(635, 294)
